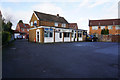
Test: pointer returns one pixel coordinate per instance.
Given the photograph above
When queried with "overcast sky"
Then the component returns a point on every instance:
(74, 11)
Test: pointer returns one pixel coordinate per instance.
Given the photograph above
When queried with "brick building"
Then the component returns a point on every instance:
(52, 28)
(73, 25)
(113, 25)
(22, 29)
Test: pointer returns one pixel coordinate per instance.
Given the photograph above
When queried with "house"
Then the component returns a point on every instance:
(73, 26)
(113, 25)
(22, 29)
(47, 28)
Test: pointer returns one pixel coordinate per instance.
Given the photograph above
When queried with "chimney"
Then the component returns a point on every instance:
(58, 15)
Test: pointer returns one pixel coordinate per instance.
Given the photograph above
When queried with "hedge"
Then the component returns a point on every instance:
(5, 37)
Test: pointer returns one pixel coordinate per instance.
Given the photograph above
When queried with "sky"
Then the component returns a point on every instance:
(74, 11)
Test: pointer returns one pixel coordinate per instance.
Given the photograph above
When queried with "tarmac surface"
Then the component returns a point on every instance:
(23, 59)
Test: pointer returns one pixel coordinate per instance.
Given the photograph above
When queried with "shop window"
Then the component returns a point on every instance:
(48, 34)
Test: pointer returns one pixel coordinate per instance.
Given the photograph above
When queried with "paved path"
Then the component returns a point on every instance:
(24, 59)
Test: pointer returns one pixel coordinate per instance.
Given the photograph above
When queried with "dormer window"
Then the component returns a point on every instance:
(56, 24)
(35, 23)
(31, 23)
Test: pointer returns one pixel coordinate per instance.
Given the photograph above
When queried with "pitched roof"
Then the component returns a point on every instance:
(73, 25)
(104, 22)
(23, 25)
(49, 17)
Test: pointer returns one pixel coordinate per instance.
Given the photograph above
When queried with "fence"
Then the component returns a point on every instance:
(109, 38)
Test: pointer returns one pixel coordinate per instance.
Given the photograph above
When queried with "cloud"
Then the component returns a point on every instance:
(41, 0)
(97, 3)
(84, 3)
(14, 16)
(48, 8)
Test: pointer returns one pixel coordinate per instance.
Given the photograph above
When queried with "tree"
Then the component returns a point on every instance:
(20, 21)
(6, 31)
(105, 32)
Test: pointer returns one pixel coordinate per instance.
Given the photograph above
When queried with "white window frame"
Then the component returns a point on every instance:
(31, 23)
(56, 24)
(35, 21)
(63, 25)
(102, 27)
(110, 27)
(94, 27)
(117, 27)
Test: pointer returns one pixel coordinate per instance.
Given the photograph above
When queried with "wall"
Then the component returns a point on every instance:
(34, 18)
(112, 31)
(32, 35)
(57, 38)
(109, 38)
(51, 24)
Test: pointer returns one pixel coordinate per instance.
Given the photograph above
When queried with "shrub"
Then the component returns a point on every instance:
(5, 37)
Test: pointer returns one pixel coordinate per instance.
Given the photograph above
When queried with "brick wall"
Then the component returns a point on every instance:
(112, 31)
(32, 35)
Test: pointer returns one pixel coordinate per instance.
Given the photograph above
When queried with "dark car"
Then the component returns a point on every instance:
(91, 38)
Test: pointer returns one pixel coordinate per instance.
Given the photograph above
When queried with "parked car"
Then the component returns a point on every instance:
(19, 37)
(91, 38)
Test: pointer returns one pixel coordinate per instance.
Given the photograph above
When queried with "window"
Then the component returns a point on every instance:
(56, 24)
(63, 25)
(60, 36)
(22, 29)
(94, 27)
(35, 23)
(118, 27)
(31, 23)
(75, 35)
(48, 34)
(102, 27)
(109, 27)
(51, 34)
(79, 35)
(48, 29)
(66, 34)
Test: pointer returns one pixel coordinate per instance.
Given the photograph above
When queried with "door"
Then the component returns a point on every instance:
(38, 36)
